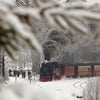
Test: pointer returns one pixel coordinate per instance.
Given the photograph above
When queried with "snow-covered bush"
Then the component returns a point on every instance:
(92, 89)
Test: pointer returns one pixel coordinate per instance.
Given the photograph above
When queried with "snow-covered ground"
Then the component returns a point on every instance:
(64, 89)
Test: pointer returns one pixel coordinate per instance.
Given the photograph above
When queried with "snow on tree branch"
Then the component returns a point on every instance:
(16, 29)
(64, 15)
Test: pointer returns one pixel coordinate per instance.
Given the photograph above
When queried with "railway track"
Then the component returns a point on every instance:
(79, 84)
(83, 83)
(76, 84)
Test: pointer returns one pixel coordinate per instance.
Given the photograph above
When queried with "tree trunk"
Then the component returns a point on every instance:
(2, 66)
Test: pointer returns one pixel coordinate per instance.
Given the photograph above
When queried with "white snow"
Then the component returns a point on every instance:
(64, 89)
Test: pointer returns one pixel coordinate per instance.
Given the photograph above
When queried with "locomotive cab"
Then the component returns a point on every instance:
(50, 71)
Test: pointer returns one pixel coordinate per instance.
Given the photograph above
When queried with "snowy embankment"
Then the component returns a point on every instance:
(65, 89)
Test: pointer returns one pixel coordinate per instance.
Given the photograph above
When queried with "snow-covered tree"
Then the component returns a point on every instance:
(92, 89)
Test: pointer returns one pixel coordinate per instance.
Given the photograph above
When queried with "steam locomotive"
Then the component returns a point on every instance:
(55, 71)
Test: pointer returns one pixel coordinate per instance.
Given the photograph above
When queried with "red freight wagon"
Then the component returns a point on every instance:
(69, 71)
(84, 70)
(97, 70)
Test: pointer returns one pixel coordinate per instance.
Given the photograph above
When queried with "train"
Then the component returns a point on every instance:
(55, 70)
